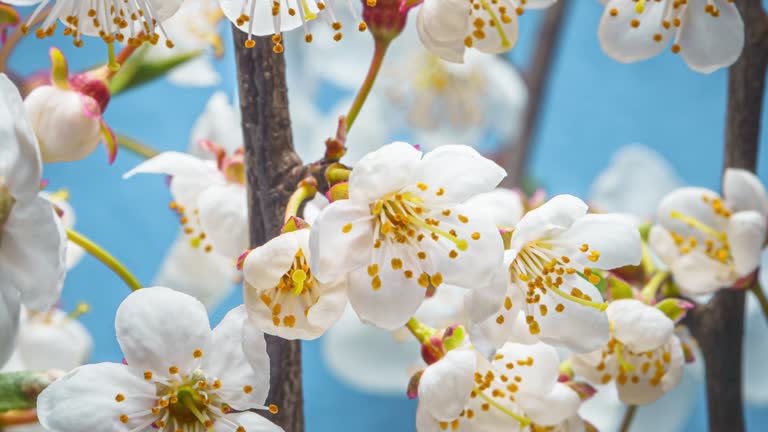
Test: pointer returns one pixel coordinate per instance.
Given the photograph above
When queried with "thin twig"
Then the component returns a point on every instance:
(514, 155)
(272, 170)
(629, 415)
(719, 325)
(757, 290)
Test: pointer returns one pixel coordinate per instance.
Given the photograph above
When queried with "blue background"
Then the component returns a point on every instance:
(594, 105)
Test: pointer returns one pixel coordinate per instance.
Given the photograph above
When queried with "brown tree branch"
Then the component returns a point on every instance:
(272, 169)
(719, 325)
(515, 154)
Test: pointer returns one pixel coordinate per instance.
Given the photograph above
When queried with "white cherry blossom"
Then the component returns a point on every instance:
(448, 27)
(60, 199)
(130, 21)
(552, 253)
(516, 391)
(283, 297)
(404, 228)
(708, 241)
(32, 238)
(180, 374)
(708, 34)
(644, 356)
(209, 197)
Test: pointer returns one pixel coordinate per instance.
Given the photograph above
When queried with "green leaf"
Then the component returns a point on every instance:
(138, 70)
(675, 309)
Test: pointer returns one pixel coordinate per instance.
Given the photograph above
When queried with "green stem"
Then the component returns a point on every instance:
(306, 190)
(134, 146)
(105, 257)
(629, 415)
(648, 294)
(379, 51)
(757, 290)
(13, 40)
(647, 261)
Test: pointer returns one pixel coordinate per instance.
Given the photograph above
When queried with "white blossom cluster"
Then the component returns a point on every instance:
(521, 306)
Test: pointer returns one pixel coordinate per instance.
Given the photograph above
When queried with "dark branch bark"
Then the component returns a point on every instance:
(719, 325)
(273, 170)
(515, 155)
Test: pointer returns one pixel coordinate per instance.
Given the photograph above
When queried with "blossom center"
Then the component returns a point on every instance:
(715, 243)
(497, 17)
(402, 217)
(539, 269)
(294, 290)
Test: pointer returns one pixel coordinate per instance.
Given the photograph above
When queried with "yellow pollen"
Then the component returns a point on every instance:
(124, 418)
(197, 354)
(120, 397)
(173, 370)
(247, 389)
(147, 375)
(346, 228)
(273, 409)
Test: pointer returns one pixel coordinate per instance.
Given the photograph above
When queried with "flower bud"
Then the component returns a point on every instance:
(66, 115)
(60, 120)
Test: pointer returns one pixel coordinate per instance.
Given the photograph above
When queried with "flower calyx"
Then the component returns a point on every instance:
(675, 309)
(386, 18)
(232, 166)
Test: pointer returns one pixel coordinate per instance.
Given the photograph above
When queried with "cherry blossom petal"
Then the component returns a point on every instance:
(744, 191)
(536, 364)
(709, 43)
(638, 326)
(503, 207)
(613, 236)
(176, 164)
(459, 171)
(329, 307)
(84, 399)
(20, 163)
(53, 341)
(10, 309)
(266, 265)
(224, 218)
(483, 301)
(746, 236)
(628, 36)
(587, 365)
(662, 244)
(32, 253)
(578, 327)
(386, 170)
(556, 215)
(342, 251)
(394, 302)
(478, 264)
(551, 408)
(442, 26)
(254, 423)
(698, 274)
(445, 387)
(227, 361)
(148, 336)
